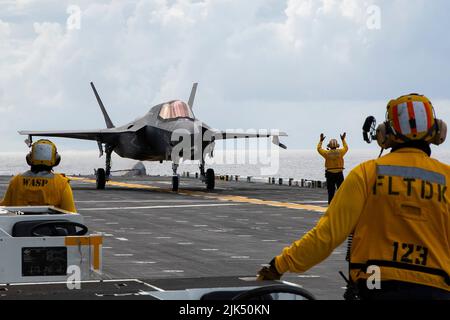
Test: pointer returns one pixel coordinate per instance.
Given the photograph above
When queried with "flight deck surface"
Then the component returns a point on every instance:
(175, 240)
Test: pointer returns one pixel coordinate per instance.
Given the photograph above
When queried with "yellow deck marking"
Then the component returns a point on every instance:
(117, 184)
(232, 198)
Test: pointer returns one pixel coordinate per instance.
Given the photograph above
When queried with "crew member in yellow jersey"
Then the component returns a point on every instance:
(398, 209)
(334, 163)
(40, 185)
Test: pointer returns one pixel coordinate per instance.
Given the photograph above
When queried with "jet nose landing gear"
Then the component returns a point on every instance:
(175, 177)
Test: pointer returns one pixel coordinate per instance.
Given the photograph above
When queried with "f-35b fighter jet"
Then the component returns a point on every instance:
(169, 131)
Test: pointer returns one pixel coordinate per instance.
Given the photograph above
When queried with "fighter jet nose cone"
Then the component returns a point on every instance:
(189, 126)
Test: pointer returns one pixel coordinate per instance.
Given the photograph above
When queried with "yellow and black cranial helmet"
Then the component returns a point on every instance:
(333, 144)
(43, 153)
(408, 118)
(412, 116)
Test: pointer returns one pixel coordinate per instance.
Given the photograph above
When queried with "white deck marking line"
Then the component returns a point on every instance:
(173, 271)
(292, 284)
(248, 278)
(240, 257)
(150, 285)
(185, 243)
(212, 249)
(123, 254)
(122, 239)
(162, 207)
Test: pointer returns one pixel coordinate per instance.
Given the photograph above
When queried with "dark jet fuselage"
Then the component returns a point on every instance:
(153, 141)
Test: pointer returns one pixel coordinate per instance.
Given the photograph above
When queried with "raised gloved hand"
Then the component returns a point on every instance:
(343, 135)
(322, 137)
(269, 272)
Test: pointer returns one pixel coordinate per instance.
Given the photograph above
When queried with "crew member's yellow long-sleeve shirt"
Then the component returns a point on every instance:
(334, 158)
(38, 189)
(398, 209)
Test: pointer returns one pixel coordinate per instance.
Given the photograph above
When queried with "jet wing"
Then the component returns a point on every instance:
(100, 135)
(239, 134)
(85, 134)
(229, 134)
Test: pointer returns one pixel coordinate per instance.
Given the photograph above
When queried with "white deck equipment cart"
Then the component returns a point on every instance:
(46, 244)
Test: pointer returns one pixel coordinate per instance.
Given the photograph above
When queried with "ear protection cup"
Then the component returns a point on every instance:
(57, 159)
(385, 136)
(405, 121)
(441, 132)
(28, 158)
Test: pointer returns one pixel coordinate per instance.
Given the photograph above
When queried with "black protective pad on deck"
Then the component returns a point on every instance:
(127, 289)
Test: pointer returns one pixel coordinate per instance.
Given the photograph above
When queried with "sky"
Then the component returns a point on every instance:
(300, 66)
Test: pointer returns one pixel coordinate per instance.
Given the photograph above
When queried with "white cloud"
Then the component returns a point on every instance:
(5, 30)
(295, 60)
(352, 9)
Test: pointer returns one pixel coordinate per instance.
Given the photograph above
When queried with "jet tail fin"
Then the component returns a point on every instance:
(108, 121)
(192, 96)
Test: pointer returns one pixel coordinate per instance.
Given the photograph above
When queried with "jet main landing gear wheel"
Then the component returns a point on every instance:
(101, 179)
(210, 179)
(102, 175)
(175, 183)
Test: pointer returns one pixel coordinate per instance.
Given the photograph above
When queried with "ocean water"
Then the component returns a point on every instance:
(296, 164)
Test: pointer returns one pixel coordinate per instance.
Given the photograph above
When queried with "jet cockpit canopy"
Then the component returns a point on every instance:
(175, 109)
